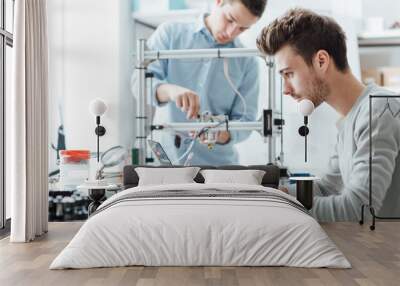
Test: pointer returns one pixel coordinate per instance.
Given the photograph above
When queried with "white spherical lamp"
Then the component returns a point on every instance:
(98, 107)
(306, 107)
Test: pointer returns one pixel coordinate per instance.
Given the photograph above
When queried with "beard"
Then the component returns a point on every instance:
(318, 91)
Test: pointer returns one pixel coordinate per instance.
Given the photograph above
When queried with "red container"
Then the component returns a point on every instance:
(74, 156)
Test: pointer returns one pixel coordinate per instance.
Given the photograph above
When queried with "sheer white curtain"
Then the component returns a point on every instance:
(28, 162)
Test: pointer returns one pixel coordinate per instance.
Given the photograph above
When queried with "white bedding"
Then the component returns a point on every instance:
(182, 231)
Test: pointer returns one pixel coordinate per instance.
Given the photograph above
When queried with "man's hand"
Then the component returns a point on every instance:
(185, 99)
(222, 137)
(283, 189)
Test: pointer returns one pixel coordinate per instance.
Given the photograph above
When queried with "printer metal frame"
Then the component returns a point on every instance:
(144, 126)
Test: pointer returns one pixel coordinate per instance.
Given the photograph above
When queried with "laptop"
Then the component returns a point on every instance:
(159, 152)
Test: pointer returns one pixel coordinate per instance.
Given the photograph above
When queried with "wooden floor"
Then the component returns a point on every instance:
(374, 255)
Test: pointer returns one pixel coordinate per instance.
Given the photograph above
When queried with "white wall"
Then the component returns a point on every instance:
(387, 9)
(90, 43)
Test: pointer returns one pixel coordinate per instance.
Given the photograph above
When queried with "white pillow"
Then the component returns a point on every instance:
(164, 176)
(248, 177)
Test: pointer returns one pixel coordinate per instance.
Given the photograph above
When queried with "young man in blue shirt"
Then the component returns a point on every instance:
(310, 54)
(188, 87)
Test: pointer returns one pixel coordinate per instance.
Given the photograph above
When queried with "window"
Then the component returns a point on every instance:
(6, 44)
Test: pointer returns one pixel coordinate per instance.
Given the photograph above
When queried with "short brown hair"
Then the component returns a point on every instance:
(256, 7)
(307, 33)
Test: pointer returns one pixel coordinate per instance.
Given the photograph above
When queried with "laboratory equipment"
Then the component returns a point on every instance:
(110, 158)
(74, 168)
(145, 57)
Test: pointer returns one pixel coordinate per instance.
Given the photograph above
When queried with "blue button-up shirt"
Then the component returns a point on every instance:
(206, 78)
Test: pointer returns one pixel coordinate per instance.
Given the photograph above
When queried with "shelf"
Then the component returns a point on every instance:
(388, 38)
(379, 42)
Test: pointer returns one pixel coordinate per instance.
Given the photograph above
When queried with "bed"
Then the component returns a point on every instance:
(201, 224)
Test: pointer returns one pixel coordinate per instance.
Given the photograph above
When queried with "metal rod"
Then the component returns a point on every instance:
(281, 154)
(271, 105)
(196, 126)
(151, 111)
(370, 151)
(98, 143)
(305, 148)
(141, 104)
(201, 53)
(384, 96)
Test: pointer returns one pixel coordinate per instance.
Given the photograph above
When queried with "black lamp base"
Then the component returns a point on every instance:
(304, 193)
(100, 130)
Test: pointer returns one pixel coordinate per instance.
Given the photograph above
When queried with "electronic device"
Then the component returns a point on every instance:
(159, 152)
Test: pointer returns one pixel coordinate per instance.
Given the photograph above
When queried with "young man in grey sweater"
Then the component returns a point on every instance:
(310, 53)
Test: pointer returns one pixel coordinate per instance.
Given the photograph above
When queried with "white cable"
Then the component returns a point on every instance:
(226, 73)
(188, 159)
(189, 149)
(188, 152)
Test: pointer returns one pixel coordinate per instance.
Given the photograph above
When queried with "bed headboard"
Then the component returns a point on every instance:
(270, 179)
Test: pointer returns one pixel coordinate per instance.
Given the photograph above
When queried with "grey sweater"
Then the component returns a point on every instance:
(345, 187)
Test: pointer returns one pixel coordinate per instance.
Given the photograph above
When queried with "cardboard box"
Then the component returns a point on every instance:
(371, 76)
(384, 76)
(390, 76)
